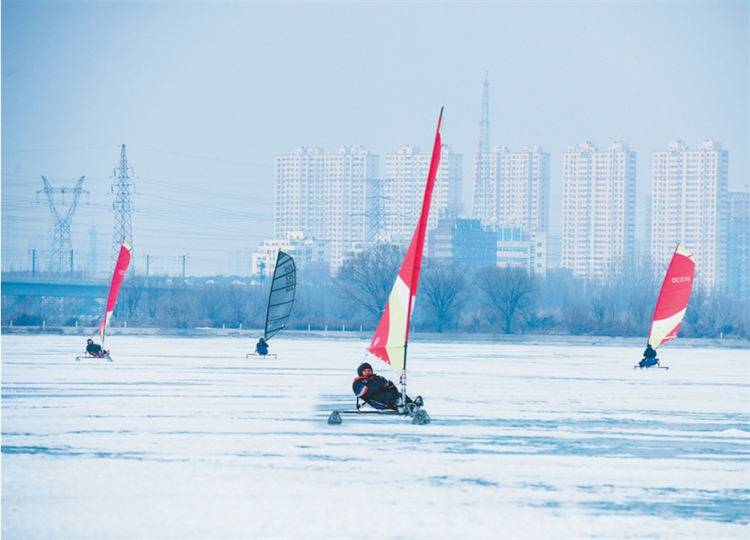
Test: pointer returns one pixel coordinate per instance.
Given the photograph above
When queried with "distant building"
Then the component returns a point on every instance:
(516, 247)
(515, 189)
(598, 235)
(325, 196)
(404, 185)
(308, 253)
(688, 206)
(738, 246)
(462, 241)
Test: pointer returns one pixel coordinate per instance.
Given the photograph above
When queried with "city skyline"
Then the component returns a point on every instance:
(209, 94)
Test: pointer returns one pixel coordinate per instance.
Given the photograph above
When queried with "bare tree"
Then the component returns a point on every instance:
(641, 292)
(212, 305)
(367, 278)
(237, 297)
(155, 293)
(443, 291)
(605, 303)
(181, 306)
(130, 295)
(511, 290)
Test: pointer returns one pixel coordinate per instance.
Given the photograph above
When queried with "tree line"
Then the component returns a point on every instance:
(451, 299)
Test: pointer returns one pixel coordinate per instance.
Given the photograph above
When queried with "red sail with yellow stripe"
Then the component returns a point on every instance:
(673, 298)
(392, 334)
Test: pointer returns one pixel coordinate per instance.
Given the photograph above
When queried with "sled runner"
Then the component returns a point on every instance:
(419, 416)
(87, 356)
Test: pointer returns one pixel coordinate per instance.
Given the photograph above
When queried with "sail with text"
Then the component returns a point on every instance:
(673, 298)
(392, 335)
(281, 298)
(121, 267)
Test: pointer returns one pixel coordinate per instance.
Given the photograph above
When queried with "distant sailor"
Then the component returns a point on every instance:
(649, 357)
(94, 349)
(261, 347)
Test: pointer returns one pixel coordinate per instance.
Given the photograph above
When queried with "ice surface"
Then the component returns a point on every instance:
(187, 438)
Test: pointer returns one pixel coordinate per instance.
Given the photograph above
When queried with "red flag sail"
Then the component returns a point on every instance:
(673, 298)
(392, 334)
(123, 260)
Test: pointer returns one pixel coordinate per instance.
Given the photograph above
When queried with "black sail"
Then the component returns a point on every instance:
(281, 299)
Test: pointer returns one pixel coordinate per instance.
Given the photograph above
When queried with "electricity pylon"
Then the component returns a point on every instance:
(377, 213)
(122, 207)
(62, 252)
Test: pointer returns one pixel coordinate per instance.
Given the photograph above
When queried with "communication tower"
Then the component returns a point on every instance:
(122, 207)
(482, 196)
(62, 252)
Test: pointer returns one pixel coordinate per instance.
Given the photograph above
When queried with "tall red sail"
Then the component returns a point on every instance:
(123, 260)
(673, 298)
(392, 334)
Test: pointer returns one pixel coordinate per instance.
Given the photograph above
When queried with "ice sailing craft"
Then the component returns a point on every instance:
(280, 301)
(670, 306)
(392, 334)
(121, 267)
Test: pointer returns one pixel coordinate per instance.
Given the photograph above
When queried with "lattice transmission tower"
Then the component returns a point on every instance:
(377, 213)
(122, 207)
(62, 247)
(482, 196)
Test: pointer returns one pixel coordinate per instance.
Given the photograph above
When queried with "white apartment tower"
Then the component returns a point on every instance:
(688, 196)
(514, 190)
(403, 190)
(598, 235)
(324, 196)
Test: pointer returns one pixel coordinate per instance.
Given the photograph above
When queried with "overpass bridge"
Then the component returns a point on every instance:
(54, 286)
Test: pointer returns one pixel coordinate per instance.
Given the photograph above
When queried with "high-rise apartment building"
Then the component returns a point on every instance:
(403, 190)
(598, 235)
(738, 245)
(325, 195)
(517, 189)
(688, 206)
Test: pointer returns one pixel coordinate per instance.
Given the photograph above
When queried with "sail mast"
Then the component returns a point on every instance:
(421, 232)
(392, 335)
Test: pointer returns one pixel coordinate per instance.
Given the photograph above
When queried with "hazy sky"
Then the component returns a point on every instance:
(206, 94)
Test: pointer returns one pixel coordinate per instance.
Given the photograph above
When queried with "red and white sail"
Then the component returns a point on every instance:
(392, 334)
(673, 298)
(123, 260)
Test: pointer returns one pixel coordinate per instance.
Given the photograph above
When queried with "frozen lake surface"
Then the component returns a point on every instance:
(187, 438)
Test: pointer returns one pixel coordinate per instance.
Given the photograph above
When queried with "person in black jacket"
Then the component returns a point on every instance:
(649, 357)
(378, 391)
(262, 347)
(94, 349)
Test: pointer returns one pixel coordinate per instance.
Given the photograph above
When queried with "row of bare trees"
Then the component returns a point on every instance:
(451, 299)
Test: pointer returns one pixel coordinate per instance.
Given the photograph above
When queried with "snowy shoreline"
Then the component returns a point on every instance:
(366, 335)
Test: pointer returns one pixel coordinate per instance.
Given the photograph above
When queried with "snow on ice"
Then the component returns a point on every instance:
(184, 437)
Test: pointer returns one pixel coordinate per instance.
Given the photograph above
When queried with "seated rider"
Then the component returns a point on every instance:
(649, 357)
(94, 349)
(378, 391)
(261, 347)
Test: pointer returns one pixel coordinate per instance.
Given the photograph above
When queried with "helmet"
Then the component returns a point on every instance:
(363, 367)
